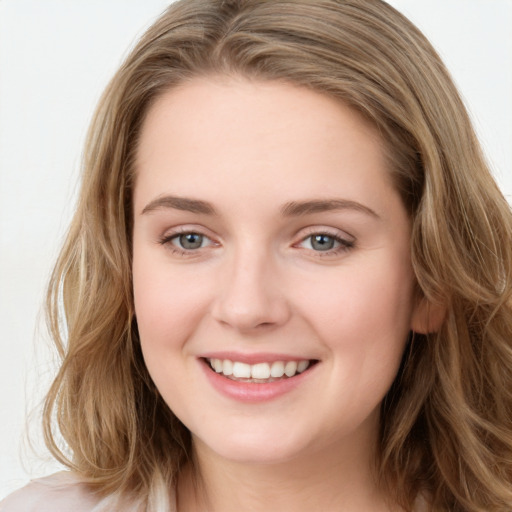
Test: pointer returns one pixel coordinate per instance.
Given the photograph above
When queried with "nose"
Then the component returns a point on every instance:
(251, 296)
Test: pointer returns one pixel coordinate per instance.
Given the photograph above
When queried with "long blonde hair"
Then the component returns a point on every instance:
(446, 423)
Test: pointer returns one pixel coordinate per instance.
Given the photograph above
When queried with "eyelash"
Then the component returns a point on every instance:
(344, 245)
(167, 241)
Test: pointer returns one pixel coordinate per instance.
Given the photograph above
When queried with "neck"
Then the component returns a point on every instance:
(334, 478)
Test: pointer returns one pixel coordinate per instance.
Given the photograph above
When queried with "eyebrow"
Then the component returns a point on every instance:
(297, 208)
(291, 209)
(180, 203)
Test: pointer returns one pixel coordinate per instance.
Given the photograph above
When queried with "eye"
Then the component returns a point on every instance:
(321, 242)
(189, 241)
(186, 242)
(326, 243)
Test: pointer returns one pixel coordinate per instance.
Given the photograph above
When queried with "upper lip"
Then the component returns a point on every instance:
(261, 357)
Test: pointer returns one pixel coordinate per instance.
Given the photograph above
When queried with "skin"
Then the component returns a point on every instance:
(259, 284)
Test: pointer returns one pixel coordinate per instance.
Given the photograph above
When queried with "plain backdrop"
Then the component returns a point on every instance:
(56, 56)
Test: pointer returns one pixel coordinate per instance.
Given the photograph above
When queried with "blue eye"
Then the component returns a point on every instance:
(186, 242)
(189, 241)
(323, 242)
(326, 243)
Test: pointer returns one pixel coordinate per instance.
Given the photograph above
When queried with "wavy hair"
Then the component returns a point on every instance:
(446, 422)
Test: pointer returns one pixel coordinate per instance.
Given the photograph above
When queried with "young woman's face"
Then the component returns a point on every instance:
(268, 238)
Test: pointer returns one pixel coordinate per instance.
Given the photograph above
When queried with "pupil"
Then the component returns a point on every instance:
(322, 242)
(191, 241)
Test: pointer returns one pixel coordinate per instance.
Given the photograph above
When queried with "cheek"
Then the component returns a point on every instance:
(364, 325)
(168, 310)
(168, 303)
(364, 311)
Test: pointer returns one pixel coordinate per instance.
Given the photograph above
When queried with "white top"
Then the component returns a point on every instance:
(60, 492)
(63, 492)
(56, 493)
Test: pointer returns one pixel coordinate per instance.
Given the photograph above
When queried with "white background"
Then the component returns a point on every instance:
(56, 56)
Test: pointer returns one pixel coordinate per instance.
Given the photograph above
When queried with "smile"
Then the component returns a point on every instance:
(257, 378)
(260, 372)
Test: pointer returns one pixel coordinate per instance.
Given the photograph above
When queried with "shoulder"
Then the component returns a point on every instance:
(60, 492)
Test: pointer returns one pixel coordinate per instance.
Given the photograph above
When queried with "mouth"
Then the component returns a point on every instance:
(261, 372)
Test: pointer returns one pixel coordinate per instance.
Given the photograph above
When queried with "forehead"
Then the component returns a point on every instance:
(239, 107)
(276, 136)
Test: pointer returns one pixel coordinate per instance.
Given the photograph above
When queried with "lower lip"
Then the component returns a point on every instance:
(252, 391)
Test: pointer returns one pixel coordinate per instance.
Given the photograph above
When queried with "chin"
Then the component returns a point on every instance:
(248, 448)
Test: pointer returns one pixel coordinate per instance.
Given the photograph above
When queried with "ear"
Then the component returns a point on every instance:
(427, 317)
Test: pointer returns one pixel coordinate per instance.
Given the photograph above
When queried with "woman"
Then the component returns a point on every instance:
(287, 284)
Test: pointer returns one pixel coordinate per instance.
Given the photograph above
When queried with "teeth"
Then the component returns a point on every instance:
(241, 370)
(302, 365)
(277, 369)
(290, 369)
(227, 367)
(260, 371)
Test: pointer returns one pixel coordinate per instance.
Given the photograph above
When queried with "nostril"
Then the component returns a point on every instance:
(264, 324)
